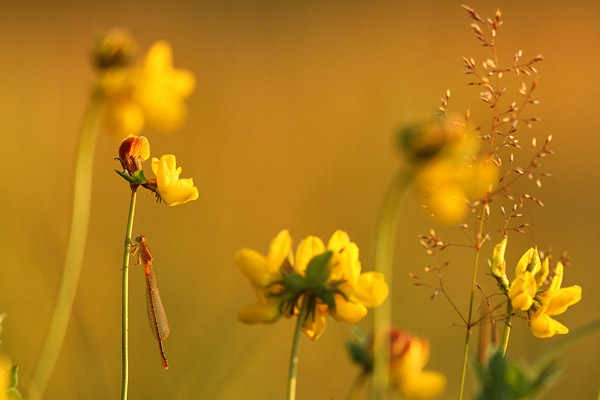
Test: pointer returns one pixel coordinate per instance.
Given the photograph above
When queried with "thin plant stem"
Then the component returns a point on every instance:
(293, 371)
(469, 319)
(82, 193)
(387, 227)
(125, 304)
(357, 385)
(507, 327)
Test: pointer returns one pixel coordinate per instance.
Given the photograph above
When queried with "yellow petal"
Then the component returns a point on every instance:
(279, 250)
(543, 326)
(371, 289)
(172, 190)
(557, 279)
(408, 375)
(448, 204)
(338, 241)
(522, 290)
(346, 265)
(256, 268)
(542, 274)
(307, 249)
(348, 311)
(123, 117)
(259, 313)
(499, 263)
(530, 261)
(315, 328)
(563, 298)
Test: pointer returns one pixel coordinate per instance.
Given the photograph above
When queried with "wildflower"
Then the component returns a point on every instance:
(553, 301)
(408, 356)
(328, 279)
(406, 369)
(152, 93)
(168, 186)
(450, 172)
(526, 292)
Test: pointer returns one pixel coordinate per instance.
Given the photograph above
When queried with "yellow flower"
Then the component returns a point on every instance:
(281, 278)
(152, 93)
(407, 374)
(453, 175)
(526, 290)
(554, 301)
(171, 189)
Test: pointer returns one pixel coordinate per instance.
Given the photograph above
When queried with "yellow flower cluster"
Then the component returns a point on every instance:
(151, 93)
(172, 190)
(450, 171)
(350, 291)
(529, 292)
(409, 355)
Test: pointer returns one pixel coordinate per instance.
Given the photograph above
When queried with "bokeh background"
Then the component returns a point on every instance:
(291, 126)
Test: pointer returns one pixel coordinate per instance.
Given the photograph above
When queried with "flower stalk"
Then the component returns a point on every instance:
(507, 327)
(82, 194)
(125, 296)
(387, 227)
(293, 370)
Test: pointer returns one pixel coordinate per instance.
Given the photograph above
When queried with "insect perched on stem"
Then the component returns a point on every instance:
(156, 311)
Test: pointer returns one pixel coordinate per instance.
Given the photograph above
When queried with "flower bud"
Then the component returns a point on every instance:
(133, 150)
(115, 49)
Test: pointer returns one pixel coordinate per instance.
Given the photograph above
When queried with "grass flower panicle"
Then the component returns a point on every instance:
(328, 277)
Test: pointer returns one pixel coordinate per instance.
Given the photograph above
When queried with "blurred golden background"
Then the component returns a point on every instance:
(290, 126)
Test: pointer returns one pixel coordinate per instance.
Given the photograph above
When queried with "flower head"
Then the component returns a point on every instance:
(152, 93)
(553, 301)
(528, 291)
(328, 278)
(169, 187)
(408, 356)
(133, 150)
(450, 172)
(406, 371)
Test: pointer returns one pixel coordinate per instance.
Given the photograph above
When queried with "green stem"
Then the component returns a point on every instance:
(507, 327)
(357, 385)
(565, 342)
(387, 227)
(291, 394)
(125, 305)
(469, 319)
(82, 193)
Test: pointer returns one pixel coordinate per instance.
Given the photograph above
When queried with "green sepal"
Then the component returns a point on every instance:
(138, 177)
(358, 349)
(326, 296)
(294, 283)
(318, 270)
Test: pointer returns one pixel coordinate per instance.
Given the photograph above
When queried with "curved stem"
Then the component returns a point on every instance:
(387, 227)
(507, 327)
(291, 393)
(125, 304)
(82, 193)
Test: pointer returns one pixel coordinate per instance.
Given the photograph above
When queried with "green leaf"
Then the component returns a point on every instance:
(13, 392)
(500, 379)
(318, 270)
